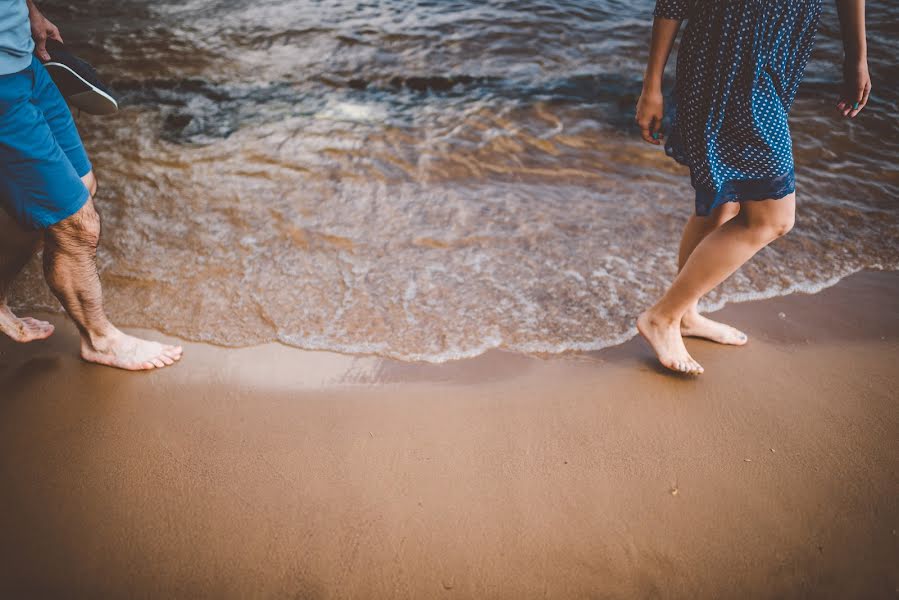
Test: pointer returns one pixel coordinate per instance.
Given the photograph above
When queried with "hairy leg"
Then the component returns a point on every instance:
(714, 259)
(70, 269)
(694, 324)
(17, 246)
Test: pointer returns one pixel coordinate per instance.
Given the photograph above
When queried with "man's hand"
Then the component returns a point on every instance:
(41, 30)
(649, 116)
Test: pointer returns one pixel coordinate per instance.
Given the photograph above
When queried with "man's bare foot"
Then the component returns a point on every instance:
(665, 338)
(130, 353)
(25, 329)
(694, 324)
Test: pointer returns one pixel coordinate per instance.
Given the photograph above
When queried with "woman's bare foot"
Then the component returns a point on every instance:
(665, 338)
(128, 352)
(694, 324)
(25, 329)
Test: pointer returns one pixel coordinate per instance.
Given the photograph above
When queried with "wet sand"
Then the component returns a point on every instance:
(275, 472)
(284, 173)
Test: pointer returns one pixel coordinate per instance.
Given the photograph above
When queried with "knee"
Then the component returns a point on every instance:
(87, 224)
(772, 228)
(783, 226)
(769, 219)
(80, 231)
(90, 182)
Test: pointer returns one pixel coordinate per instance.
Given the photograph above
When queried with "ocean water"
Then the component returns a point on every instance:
(427, 180)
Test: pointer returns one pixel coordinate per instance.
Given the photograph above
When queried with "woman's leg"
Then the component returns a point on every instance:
(715, 258)
(698, 227)
(693, 324)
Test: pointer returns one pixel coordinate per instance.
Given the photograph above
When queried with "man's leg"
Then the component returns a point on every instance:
(694, 324)
(17, 246)
(70, 249)
(46, 182)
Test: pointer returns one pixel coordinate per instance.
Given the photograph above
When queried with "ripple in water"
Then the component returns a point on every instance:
(429, 180)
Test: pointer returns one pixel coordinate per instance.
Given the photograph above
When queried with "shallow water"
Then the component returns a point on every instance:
(427, 180)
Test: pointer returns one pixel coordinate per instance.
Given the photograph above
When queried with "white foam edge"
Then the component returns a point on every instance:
(497, 343)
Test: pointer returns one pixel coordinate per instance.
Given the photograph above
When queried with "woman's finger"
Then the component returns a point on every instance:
(648, 135)
(857, 101)
(656, 129)
(863, 100)
(846, 107)
(649, 127)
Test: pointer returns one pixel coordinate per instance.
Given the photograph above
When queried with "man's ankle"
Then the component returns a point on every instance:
(101, 339)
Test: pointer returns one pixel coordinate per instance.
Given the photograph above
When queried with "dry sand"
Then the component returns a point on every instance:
(274, 472)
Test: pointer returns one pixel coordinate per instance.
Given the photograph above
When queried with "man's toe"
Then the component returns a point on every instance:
(172, 352)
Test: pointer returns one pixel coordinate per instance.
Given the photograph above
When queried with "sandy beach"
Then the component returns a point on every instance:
(404, 245)
(276, 472)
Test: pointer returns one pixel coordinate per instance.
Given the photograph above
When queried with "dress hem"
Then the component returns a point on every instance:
(732, 190)
(743, 190)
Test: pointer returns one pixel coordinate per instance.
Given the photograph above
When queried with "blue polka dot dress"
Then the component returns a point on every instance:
(739, 65)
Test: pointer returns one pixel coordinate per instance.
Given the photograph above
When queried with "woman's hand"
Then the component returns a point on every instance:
(41, 30)
(650, 107)
(856, 88)
(650, 110)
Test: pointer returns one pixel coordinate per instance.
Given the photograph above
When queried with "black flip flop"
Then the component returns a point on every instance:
(78, 81)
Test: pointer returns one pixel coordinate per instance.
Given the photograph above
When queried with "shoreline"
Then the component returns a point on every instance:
(533, 349)
(275, 471)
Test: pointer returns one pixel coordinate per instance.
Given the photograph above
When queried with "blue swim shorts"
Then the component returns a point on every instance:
(42, 159)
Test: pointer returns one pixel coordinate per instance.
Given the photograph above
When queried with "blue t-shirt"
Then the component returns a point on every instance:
(16, 44)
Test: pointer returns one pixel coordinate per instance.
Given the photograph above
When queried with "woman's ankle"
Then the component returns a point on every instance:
(691, 313)
(658, 315)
